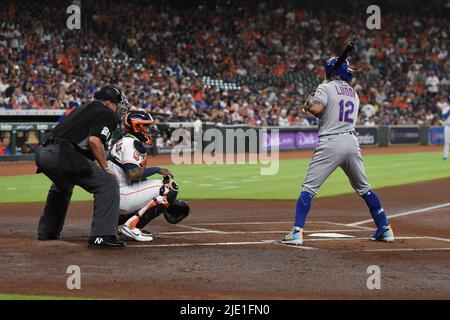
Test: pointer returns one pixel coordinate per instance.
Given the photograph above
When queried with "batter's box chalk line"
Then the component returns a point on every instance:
(402, 214)
(277, 242)
(238, 243)
(331, 232)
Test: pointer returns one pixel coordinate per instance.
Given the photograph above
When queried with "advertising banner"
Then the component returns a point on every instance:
(367, 136)
(436, 135)
(290, 140)
(404, 135)
(306, 139)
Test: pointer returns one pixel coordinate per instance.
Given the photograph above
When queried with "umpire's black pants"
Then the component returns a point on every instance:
(101, 184)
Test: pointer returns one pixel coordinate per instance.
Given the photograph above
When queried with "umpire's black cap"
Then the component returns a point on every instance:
(111, 93)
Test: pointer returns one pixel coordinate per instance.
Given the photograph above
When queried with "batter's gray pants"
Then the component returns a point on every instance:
(101, 184)
(332, 152)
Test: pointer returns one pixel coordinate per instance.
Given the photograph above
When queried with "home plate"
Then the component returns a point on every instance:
(329, 235)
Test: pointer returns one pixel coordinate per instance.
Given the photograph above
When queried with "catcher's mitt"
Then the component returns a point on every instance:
(177, 211)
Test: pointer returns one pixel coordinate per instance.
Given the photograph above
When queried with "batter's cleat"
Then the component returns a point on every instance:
(105, 242)
(383, 234)
(135, 233)
(295, 237)
(445, 158)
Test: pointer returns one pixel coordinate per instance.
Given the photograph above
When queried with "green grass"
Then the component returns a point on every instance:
(27, 297)
(245, 181)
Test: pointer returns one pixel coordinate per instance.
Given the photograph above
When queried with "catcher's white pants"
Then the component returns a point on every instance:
(446, 140)
(137, 195)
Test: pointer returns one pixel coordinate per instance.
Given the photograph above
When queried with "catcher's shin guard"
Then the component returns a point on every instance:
(153, 209)
(151, 214)
(168, 194)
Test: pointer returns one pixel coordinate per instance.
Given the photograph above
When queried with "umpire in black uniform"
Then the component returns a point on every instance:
(74, 154)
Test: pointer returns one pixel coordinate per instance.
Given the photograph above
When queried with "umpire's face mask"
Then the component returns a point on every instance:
(123, 108)
(121, 112)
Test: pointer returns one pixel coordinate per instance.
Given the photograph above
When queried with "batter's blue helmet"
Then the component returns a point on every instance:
(344, 72)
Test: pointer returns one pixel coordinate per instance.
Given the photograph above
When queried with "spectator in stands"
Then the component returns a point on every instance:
(166, 56)
(369, 122)
(3, 84)
(432, 83)
(5, 146)
(301, 121)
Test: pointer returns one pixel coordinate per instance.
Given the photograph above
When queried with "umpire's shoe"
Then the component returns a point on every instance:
(105, 242)
(49, 237)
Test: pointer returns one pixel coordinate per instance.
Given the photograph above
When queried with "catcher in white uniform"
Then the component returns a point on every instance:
(142, 199)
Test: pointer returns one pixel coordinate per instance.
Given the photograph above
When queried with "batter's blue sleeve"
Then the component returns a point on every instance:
(302, 209)
(375, 208)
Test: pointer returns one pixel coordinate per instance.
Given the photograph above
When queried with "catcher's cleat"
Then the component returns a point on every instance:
(383, 234)
(295, 237)
(135, 233)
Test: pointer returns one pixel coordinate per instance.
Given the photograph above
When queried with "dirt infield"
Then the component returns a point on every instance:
(28, 167)
(230, 250)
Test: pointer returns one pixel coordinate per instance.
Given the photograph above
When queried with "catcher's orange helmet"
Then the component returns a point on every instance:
(140, 124)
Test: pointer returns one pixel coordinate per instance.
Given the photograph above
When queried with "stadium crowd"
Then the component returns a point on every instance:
(272, 53)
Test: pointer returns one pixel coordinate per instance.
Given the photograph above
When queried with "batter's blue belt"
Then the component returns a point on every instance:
(337, 134)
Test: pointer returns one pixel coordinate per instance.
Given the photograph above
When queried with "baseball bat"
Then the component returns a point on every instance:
(344, 54)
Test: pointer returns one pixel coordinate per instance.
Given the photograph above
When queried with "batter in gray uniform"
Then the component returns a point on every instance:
(336, 105)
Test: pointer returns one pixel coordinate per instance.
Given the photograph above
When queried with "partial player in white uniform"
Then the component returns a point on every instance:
(142, 199)
(336, 105)
(446, 123)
